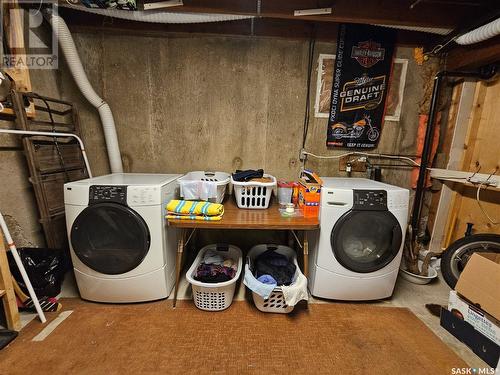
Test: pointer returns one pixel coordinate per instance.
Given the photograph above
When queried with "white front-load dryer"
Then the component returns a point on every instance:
(121, 248)
(357, 252)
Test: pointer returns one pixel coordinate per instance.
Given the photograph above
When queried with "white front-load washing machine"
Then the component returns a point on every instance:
(121, 247)
(357, 252)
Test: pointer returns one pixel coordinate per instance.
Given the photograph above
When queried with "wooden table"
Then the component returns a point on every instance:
(252, 219)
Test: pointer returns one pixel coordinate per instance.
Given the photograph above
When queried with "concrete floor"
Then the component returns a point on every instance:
(406, 294)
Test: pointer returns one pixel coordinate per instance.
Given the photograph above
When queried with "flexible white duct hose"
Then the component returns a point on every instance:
(481, 33)
(75, 65)
(161, 17)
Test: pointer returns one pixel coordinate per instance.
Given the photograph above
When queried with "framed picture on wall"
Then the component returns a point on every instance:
(394, 99)
(325, 80)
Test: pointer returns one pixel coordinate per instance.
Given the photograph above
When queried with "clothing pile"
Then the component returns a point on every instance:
(274, 268)
(214, 268)
(251, 175)
(270, 270)
(193, 210)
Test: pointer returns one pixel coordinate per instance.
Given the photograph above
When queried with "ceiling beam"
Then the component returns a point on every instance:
(475, 55)
(259, 27)
(389, 12)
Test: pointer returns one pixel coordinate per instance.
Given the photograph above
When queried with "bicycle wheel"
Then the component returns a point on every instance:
(456, 256)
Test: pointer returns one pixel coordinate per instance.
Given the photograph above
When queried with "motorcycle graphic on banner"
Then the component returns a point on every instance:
(360, 83)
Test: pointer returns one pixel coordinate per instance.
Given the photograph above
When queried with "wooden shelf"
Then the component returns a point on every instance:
(237, 218)
(466, 178)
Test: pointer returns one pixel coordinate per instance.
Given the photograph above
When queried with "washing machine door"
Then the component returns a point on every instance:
(110, 238)
(366, 241)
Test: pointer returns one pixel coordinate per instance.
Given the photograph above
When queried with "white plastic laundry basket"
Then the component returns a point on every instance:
(221, 179)
(215, 296)
(253, 194)
(276, 302)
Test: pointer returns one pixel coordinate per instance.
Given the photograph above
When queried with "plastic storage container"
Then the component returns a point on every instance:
(192, 185)
(285, 192)
(215, 296)
(276, 302)
(253, 194)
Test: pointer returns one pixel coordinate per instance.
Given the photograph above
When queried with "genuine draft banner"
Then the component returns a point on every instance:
(360, 82)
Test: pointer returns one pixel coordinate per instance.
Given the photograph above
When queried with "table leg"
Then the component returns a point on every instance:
(178, 263)
(305, 249)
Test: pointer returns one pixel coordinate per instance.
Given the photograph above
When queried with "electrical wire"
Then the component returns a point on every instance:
(485, 182)
(381, 156)
(312, 43)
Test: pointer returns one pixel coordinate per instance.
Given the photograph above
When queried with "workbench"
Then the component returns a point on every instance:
(248, 219)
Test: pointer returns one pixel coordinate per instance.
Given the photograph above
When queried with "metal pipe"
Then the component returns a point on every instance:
(429, 137)
(54, 134)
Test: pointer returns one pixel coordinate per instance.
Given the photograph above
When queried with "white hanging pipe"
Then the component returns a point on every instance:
(20, 265)
(53, 134)
(161, 17)
(75, 65)
(480, 34)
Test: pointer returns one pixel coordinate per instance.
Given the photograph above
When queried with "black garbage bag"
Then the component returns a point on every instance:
(45, 269)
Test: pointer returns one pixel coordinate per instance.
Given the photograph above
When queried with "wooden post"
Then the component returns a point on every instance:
(7, 291)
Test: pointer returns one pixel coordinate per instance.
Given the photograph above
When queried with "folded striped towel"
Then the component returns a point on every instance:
(194, 217)
(194, 210)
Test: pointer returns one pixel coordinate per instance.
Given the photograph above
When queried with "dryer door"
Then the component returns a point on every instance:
(366, 241)
(110, 238)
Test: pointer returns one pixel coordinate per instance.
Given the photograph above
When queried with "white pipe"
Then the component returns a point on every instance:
(480, 34)
(53, 134)
(160, 16)
(20, 265)
(75, 65)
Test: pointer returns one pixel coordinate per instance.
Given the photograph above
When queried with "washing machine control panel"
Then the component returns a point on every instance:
(103, 193)
(370, 200)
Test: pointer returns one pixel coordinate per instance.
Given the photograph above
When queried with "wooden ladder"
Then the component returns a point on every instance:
(7, 294)
(51, 161)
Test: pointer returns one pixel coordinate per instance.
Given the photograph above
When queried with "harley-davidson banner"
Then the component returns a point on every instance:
(360, 83)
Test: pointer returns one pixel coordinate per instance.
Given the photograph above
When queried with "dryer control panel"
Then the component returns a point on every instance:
(375, 200)
(103, 193)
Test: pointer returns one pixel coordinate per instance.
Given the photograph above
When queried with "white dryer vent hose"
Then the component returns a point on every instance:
(153, 16)
(75, 66)
(480, 34)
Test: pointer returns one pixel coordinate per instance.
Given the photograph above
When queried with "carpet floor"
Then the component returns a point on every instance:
(155, 338)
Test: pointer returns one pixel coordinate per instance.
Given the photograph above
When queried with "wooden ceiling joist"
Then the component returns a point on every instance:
(265, 27)
(387, 12)
(475, 55)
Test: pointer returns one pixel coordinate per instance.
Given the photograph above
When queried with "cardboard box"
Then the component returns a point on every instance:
(482, 346)
(480, 282)
(481, 321)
